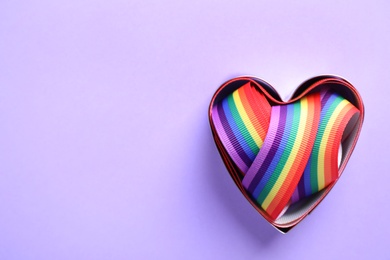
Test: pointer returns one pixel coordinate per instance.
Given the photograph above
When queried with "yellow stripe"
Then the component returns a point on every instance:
(324, 142)
(244, 116)
(291, 159)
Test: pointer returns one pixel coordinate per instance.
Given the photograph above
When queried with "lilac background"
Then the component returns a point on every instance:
(105, 148)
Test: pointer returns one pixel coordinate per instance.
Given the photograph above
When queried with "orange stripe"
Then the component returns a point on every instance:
(345, 117)
(260, 107)
(251, 115)
(332, 145)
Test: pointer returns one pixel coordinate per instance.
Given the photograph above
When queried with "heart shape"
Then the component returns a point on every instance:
(285, 157)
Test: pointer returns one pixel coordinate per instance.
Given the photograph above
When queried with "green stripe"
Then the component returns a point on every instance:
(286, 153)
(241, 126)
(316, 147)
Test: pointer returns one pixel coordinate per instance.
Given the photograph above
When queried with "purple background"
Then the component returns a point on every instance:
(105, 147)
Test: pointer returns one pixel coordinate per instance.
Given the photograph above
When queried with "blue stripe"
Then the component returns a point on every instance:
(236, 131)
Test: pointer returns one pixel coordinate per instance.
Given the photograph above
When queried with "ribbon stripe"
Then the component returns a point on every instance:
(285, 152)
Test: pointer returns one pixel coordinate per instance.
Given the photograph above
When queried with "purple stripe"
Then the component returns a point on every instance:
(325, 97)
(322, 93)
(226, 141)
(247, 161)
(295, 197)
(280, 144)
(301, 186)
(267, 152)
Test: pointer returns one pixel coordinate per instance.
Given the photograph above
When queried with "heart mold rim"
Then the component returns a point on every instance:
(339, 84)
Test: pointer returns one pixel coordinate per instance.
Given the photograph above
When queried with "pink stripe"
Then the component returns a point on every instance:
(226, 141)
(265, 149)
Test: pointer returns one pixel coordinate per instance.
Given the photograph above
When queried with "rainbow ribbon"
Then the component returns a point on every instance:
(285, 152)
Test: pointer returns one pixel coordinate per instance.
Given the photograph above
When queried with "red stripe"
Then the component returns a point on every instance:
(260, 107)
(249, 111)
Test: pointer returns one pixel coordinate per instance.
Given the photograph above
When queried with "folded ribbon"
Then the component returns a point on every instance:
(284, 152)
